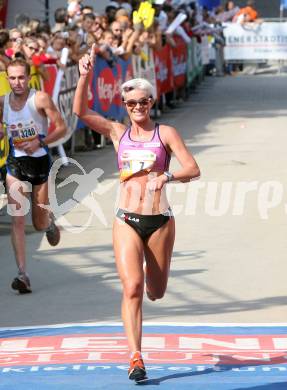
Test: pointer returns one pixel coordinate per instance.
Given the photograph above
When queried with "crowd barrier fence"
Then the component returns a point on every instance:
(167, 69)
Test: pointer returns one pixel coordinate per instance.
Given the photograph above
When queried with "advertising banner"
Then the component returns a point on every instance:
(106, 87)
(179, 62)
(65, 97)
(163, 70)
(253, 41)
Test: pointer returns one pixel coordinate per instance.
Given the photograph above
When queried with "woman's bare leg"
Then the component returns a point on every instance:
(128, 249)
(158, 250)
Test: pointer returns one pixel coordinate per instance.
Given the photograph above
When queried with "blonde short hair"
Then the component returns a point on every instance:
(138, 83)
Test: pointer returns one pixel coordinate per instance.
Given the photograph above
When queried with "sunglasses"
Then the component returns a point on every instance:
(133, 103)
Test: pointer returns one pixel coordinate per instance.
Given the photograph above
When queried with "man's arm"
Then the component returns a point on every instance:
(45, 104)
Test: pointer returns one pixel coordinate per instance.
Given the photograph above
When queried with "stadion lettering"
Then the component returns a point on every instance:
(256, 39)
(253, 41)
(169, 348)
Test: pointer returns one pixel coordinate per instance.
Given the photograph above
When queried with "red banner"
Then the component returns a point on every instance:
(163, 70)
(179, 62)
(48, 84)
(3, 12)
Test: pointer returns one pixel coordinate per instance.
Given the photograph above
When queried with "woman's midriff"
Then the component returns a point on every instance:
(135, 196)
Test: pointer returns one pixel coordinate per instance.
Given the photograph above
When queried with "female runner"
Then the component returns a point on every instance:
(144, 228)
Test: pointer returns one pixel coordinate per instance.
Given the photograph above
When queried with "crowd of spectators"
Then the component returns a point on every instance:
(115, 32)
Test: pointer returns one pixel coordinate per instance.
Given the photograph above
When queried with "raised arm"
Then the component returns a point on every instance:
(80, 107)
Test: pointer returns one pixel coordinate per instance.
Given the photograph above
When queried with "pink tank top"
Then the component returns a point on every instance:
(137, 156)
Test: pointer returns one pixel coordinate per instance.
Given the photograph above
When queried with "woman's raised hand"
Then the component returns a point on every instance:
(86, 63)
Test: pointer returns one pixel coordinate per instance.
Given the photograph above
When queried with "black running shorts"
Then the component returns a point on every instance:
(35, 170)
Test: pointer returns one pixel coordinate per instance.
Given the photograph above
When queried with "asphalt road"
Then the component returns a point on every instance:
(229, 262)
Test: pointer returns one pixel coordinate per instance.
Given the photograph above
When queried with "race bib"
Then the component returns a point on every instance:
(22, 132)
(135, 161)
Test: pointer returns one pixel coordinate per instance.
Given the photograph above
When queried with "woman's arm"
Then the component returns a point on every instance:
(130, 44)
(189, 169)
(80, 107)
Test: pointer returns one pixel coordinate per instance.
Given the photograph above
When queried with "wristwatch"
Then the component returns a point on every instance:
(168, 175)
(42, 143)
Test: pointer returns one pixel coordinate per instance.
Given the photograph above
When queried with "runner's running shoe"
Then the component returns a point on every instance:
(22, 284)
(149, 295)
(53, 234)
(137, 370)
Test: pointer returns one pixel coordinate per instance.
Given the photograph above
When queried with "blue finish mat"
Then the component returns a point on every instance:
(194, 357)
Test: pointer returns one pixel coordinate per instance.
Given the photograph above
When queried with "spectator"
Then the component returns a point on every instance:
(229, 6)
(44, 28)
(74, 11)
(42, 57)
(123, 18)
(124, 5)
(61, 20)
(96, 25)
(110, 12)
(30, 49)
(98, 34)
(22, 22)
(15, 42)
(74, 42)
(117, 32)
(160, 14)
(4, 41)
(87, 9)
(104, 22)
(226, 13)
(85, 29)
(57, 44)
(33, 26)
(106, 49)
(247, 14)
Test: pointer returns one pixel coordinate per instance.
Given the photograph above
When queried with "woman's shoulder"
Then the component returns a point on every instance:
(166, 129)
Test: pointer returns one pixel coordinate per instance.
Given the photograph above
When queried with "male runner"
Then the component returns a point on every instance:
(25, 115)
